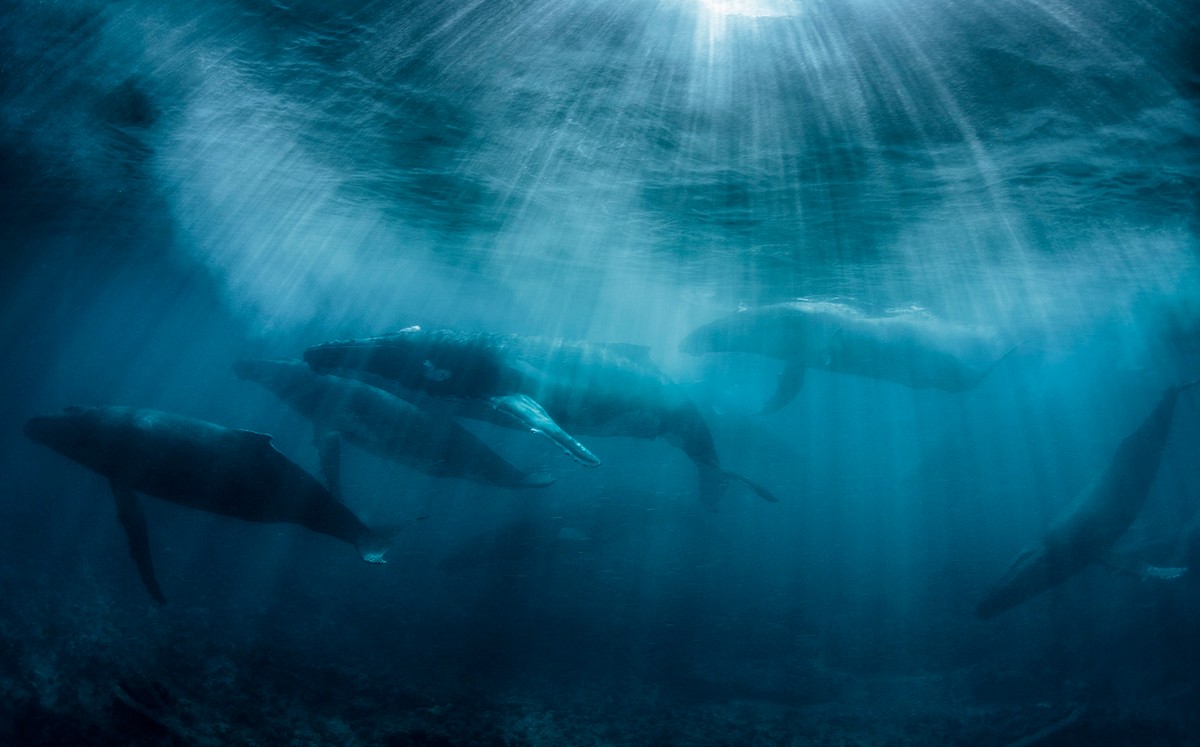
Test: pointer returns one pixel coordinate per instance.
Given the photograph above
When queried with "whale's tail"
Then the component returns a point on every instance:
(540, 479)
(373, 545)
(714, 481)
(759, 490)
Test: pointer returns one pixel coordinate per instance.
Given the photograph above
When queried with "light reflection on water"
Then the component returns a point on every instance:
(192, 187)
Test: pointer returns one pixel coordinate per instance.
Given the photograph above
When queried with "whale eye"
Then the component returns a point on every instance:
(433, 373)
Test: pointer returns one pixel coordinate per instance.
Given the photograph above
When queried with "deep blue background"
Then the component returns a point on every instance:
(183, 187)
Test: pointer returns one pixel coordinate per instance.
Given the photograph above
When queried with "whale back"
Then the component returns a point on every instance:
(442, 363)
(778, 330)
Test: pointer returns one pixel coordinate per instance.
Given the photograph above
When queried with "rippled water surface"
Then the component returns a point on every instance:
(185, 185)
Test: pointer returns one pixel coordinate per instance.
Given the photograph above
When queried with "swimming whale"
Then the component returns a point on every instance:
(909, 348)
(384, 425)
(543, 385)
(1086, 531)
(200, 465)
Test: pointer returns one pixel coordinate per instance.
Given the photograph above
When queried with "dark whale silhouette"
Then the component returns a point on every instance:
(910, 348)
(543, 385)
(200, 465)
(382, 424)
(1088, 529)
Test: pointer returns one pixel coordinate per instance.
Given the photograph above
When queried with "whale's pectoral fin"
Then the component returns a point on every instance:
(1126, 565)
(983, 374)
(329, 450)
(790, 381)
(835, 349)
(531, 414)
(1162, 573)
(129, 511)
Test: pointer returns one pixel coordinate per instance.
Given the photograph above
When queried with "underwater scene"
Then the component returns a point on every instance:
(582, 373)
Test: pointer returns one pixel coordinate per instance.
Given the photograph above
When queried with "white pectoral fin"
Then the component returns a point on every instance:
(1162, 573)
(790, 381)
(1126, 565)
(531, 414)
(129, 511)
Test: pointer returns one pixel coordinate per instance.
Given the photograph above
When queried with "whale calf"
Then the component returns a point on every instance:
(550, 386)
(1086, 531)
(909, 348)
(197, 464)
(383, 424)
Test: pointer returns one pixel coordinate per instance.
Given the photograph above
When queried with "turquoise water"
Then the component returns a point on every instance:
(184, 187)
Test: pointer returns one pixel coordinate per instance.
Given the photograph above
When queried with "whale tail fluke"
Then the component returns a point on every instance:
(373, 545)
(759, 490)
(714, 481)
(540, 479)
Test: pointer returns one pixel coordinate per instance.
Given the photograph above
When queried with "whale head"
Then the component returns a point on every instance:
(1033, 571)
(768, 330)
(70, 432)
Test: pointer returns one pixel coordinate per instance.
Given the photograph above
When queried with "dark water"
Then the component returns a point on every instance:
(183, 186)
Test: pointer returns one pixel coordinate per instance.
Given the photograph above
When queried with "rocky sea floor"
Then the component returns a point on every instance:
(78, 669)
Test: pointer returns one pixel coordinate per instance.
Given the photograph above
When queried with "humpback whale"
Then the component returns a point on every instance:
(909, 348)
(384, 425)
(543, 385)
(197, 464)
(1086, 531)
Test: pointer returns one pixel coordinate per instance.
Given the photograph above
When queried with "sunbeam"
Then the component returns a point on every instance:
(686, 372)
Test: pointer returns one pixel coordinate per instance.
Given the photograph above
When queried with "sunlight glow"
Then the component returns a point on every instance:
(751, 8)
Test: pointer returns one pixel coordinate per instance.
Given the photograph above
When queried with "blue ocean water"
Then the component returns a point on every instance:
(187, 185)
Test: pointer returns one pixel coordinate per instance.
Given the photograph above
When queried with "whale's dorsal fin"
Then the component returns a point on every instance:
(790, 381)
(129, 511)
(533, 416)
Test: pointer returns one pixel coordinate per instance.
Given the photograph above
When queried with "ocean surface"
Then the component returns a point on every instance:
(184, 185)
